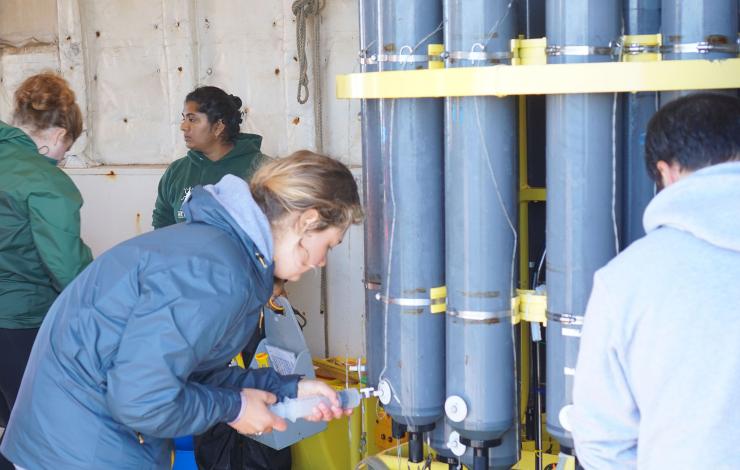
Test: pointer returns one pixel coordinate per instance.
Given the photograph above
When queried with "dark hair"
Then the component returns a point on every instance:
(695, 131)
(306, 180)
(219, 106)
(45, 100)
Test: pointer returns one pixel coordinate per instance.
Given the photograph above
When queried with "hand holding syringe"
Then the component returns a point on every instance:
(294, 408)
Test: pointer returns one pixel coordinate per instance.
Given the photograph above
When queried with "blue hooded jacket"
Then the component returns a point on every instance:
(135, 350)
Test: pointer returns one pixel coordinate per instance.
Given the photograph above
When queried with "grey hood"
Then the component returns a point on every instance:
(705, 204)
(234, 195)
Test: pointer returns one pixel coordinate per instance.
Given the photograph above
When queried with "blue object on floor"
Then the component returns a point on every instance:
(184, 443)
(184, 455)
(185, 460)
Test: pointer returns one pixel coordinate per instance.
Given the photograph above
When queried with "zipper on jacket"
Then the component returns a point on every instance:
(140, 438)
(262, 260)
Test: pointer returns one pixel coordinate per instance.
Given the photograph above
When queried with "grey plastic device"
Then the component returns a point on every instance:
(282, 331)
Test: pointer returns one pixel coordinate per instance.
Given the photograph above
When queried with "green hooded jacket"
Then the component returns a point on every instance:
(196, 169)
(40, 246)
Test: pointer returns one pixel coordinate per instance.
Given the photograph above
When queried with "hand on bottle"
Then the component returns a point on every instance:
(321, 412)
(256, 417)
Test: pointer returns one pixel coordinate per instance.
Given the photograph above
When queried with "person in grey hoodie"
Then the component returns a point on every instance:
(658, 369)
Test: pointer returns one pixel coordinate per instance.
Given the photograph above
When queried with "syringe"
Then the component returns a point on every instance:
(294, 408)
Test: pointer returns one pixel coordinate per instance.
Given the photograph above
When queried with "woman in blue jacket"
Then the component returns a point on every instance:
(133, 351)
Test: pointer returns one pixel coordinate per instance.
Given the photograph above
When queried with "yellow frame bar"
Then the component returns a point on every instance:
(504, 80)
(524, 345)
(528, 194)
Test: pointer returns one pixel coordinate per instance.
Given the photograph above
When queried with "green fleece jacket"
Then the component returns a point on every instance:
(40, 246)
(196, 169)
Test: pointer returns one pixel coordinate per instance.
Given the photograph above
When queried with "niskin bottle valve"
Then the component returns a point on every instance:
(384, 392)
(454, 444)
(455, 408)
(564, 417)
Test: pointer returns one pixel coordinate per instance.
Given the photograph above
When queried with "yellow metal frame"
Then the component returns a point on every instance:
(526, 195)
(648, 40)
(504, 80)
(524, 343)
(530, 307)
(336, 368)
(390, 459)
(528, 51)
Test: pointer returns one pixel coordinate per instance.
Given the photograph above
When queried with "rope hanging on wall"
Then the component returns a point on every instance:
(303, 9)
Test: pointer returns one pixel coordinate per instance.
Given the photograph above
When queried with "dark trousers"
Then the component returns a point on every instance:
(15, 348)
(222, 448)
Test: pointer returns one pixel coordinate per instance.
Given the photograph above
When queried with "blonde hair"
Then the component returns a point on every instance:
(46, 100)
(303, 181)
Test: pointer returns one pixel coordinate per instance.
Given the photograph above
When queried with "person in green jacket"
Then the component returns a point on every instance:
(210, 125)
(40, 246)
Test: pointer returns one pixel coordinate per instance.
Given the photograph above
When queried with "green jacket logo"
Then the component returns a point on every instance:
(187, 192)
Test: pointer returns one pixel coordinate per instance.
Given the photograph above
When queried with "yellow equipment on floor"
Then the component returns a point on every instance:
(363, 440)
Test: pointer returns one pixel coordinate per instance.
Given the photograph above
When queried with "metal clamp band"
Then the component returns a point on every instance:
(477, 55)
(480, 316)
(579, 50)
(637, 48)
(365, 59)
(699, 47)
(565, 318)
(403, 58)
(372, 285)
(404, 302)
(645, 45)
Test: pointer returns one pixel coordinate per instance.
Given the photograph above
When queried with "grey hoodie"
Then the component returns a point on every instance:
(659, 364)
(234, 195)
